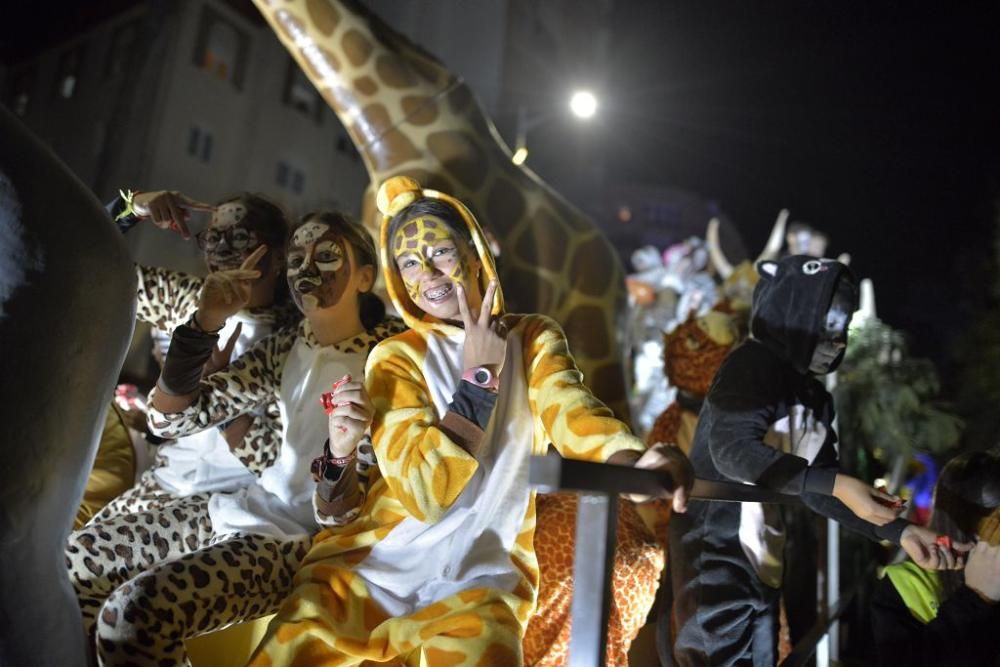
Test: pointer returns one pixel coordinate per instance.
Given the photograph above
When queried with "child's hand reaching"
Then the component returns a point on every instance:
(871, 504)
(931, 551)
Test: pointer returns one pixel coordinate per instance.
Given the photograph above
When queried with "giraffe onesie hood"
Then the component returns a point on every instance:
(441, 560)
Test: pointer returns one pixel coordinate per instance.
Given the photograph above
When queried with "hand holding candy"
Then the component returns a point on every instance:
(350, 413)
(932, 551)
(326, 400)
(871, 504)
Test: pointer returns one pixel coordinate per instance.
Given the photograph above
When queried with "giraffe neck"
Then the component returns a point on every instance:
(372, 77)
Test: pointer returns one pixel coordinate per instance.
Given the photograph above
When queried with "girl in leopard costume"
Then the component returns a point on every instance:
(221, 459)
(146, 581)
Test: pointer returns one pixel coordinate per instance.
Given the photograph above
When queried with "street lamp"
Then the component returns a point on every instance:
(582, 103)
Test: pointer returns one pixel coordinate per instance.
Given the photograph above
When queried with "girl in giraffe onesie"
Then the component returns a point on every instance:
(148, 580)
(439, 568)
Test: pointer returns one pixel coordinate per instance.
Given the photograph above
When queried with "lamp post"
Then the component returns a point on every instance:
(582, 103)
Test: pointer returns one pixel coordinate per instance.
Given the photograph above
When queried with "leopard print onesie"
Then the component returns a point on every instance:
(166, 299)
(147, 581)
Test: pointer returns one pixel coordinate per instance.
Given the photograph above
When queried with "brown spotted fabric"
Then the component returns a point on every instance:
(166, 299)
(146, 495)
(251, 380)
(148, 580)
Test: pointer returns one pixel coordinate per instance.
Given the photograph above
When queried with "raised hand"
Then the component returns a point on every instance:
(168, 209)
(350, 413)
(929, 552)
(225, 293)
(222, 354)
(485, 337)
(871, 504)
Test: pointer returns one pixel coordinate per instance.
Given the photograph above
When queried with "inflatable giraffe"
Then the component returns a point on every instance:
(407, 114)
(67, 307)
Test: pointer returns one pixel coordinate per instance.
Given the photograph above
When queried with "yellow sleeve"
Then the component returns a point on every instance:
(424, 468)
(578, 424)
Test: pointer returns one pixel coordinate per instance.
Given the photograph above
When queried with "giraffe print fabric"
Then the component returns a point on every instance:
(638, 565)
(333, 614)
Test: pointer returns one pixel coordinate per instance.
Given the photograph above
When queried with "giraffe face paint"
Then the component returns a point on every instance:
(229, 239)
(319, 268)
(431, 261)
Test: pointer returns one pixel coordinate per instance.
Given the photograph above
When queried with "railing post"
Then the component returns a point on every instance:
(596, 524)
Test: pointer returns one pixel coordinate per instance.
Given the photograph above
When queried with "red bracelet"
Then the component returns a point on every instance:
(341, 460)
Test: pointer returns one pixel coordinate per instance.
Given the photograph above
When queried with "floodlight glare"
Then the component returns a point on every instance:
(583, 104)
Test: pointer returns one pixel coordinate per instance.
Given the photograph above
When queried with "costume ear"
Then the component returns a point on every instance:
(767, 269)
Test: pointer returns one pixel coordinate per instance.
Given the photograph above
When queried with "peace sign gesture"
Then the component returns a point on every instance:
(225, 293)
(485, 337)
(169, 209)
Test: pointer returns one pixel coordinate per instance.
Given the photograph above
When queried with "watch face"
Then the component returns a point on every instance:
(482, 376)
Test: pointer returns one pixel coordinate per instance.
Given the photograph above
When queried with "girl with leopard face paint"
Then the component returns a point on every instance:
(319, 269)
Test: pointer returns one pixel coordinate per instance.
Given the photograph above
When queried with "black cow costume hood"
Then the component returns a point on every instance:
(790, 304)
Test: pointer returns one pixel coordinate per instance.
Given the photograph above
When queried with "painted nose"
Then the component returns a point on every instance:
(429, 270)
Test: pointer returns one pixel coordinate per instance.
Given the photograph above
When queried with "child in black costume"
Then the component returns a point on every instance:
(767, 420)
(940, 619)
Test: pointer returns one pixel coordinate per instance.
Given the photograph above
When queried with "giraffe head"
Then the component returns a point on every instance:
(430, 242)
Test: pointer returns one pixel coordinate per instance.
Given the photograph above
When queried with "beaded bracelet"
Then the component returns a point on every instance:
(322, 465)
(128, 196)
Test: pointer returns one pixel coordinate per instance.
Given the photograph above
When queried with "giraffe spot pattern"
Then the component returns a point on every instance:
(365, 85)
(356, 47)
(420, 110)
(638, 564)
(323, 15)
(394, 73)
(461, 155)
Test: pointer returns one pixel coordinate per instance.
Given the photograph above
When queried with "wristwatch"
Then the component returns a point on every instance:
(482, 377)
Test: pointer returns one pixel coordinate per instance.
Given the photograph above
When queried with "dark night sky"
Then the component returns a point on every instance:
(876, 122)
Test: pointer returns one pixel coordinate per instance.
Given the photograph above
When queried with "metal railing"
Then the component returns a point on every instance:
(598, 486)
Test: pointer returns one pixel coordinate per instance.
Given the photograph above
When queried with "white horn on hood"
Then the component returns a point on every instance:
(866, 301)
(844, 258)
(777, 238)
(715, 253)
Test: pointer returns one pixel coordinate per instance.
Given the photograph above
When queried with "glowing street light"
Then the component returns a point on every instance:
(583, 104)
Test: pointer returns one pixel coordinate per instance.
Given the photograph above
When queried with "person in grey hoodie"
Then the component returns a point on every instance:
(768, 421)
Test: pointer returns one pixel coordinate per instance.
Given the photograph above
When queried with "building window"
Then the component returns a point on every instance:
(221, 48)
(298, 181)
(200, 143)
(68, 72)
(290, 178)
(301, 94)
(122, 44)
(18, 92)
